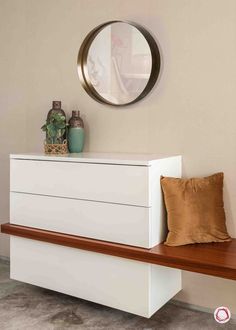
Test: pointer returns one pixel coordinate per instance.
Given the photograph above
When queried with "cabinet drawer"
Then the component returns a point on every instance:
(129, 285)
(100, 182)
(110, 222)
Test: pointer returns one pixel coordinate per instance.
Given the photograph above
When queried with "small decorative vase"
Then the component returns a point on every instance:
(76, 133)
(56, 108)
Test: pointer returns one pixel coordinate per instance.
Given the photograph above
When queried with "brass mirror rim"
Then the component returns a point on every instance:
(82, 67)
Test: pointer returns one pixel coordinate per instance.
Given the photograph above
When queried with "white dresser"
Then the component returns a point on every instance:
(111, 197)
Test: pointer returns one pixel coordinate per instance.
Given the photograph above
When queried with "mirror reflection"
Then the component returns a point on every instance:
(116, 63)
(119, 63)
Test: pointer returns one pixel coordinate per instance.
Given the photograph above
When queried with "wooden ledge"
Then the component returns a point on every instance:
(216, 259)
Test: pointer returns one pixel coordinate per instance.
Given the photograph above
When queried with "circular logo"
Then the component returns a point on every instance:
(222, 314)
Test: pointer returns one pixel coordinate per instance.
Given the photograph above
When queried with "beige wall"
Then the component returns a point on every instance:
(191, 111)
(13, 98)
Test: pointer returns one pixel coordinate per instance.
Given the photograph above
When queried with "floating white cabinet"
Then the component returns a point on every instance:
(110, 197)
(96, 197)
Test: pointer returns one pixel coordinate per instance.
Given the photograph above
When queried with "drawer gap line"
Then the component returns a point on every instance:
(79, 199)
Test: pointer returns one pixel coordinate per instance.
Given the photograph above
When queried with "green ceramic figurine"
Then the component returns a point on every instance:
(76, 133)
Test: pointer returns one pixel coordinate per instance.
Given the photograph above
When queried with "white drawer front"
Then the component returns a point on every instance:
(132, 286)
(100, 182)
(110, 222)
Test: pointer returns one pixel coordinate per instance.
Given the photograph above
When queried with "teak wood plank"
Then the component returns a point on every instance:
(216, 259)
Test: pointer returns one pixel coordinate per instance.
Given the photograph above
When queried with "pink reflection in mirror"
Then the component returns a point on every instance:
(119, 63)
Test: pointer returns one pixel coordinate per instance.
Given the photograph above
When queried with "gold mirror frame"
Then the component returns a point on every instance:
(83, 69)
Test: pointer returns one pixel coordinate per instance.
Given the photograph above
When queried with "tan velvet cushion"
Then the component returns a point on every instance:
(195, 210)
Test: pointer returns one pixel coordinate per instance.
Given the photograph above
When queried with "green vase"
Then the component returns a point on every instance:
(76, 133)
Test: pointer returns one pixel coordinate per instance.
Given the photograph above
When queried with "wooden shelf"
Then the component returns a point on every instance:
(216, 259)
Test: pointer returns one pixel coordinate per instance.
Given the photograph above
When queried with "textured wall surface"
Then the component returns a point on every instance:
(191, 111)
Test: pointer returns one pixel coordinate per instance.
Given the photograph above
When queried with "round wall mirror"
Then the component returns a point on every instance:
(118, 63)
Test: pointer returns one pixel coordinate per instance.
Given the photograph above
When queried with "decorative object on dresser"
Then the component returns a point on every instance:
(118, 63)
(110, 197)
(55, 128)
(56, 108)
(76, 132)
(195, 210)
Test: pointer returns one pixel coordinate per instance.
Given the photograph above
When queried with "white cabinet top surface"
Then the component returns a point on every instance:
(91, 157)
